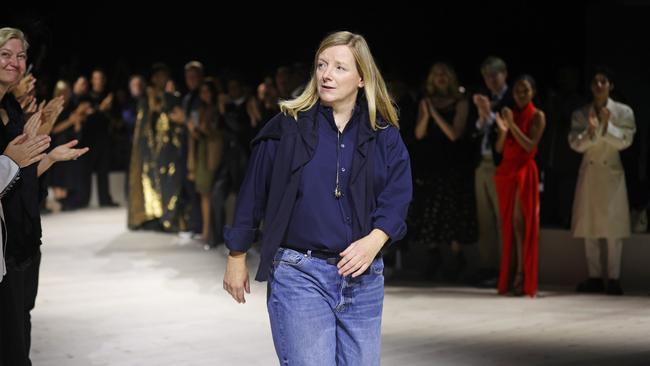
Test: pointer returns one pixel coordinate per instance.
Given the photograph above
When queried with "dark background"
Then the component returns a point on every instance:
(532, 36)
(251, 40)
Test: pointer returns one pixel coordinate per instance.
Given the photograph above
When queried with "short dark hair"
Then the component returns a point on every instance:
(160, 67)
(603, 70)
(529, 79)
(493, 64)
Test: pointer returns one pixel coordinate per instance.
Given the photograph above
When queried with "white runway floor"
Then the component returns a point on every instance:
(108, 296)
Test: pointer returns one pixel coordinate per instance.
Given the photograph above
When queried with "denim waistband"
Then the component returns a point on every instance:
(330, 257)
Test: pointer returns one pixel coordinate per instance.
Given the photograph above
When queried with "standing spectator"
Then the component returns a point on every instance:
(517, 183)
(94, 133)
(599, 130)
(495, 74)
(23, 254)
(449, 205)
(191, 104)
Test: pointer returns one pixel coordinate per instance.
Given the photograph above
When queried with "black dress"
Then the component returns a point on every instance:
(23, 222)
(448, 210)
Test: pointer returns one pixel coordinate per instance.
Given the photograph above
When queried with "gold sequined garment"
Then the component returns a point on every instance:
(155, 179)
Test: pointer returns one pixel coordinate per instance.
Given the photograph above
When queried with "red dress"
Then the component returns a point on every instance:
(517, 174)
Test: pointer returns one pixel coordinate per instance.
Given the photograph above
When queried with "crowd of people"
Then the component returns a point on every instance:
(477, 176)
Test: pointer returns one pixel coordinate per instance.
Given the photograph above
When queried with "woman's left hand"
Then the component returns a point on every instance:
(66, 152)
(359, 255)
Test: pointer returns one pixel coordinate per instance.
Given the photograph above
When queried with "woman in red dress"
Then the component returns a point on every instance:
(517, 186)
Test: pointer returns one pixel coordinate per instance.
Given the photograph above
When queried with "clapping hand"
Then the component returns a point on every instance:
(25, 150)
(106, 103)
(66, 152)
(32, 125)
(24, 88)
(504, 120)
(51, 112)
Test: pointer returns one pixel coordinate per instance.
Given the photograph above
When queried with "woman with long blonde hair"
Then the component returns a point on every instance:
(449, 214)
(330, 177)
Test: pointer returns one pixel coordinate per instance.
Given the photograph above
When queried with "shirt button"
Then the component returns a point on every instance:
(343, 169)
(342, 146)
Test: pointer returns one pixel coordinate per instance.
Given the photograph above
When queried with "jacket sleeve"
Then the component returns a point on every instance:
(579, 138)
(620, 131)
(393, 201)
(9, 174)
(252, 197)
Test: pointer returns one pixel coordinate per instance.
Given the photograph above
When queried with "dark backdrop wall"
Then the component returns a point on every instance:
(535, 37)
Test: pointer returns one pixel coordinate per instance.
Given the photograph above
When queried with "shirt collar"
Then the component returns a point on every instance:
(328, 113)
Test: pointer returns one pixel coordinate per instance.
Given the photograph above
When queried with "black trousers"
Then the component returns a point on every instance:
(96, 160)
(17, 299)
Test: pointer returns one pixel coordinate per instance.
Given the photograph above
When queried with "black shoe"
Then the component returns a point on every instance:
(484, 278)
(614, 287)
(591, 285)
(488, 283)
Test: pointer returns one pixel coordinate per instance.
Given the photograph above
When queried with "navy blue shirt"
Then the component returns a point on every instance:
(378, 185)
(319, 220)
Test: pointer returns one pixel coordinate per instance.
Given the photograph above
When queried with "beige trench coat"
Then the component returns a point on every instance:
(600, 207)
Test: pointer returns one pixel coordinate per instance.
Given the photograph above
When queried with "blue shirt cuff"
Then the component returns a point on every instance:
(395, 231)
(238, 239)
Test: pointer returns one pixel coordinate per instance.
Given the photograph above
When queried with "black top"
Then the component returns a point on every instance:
(21, 204)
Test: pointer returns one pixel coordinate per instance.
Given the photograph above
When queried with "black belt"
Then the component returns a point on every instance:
(330, 257)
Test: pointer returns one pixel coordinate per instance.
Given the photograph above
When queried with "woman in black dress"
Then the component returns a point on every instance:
(449, 212)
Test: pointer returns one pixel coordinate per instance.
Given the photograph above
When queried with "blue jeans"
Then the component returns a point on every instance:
(319, 317)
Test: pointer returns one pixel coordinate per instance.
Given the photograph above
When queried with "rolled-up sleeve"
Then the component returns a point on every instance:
(252, 197)
(393, 201)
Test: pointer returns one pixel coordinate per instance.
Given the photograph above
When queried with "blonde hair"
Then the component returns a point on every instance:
(453, 89)
(12, 33)
(374, 87)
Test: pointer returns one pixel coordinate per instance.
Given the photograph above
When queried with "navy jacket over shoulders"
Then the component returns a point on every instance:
(380, 186)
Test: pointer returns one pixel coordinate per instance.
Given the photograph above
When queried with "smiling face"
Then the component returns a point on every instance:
(338, 80)
(523, 93)
(13, 60)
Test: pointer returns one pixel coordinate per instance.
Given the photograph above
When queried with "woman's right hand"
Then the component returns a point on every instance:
(26, 151)
(236, 280)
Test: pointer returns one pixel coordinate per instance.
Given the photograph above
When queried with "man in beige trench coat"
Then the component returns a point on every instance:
(599, 130)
